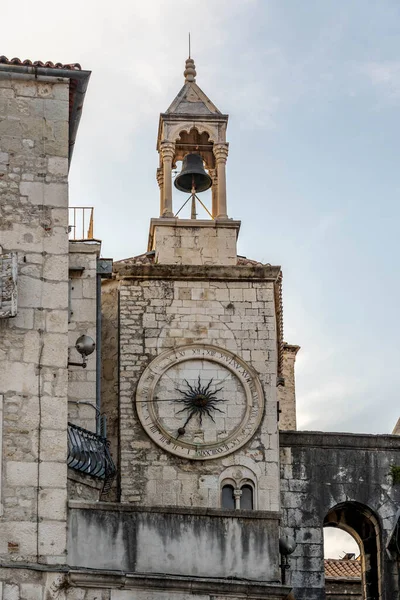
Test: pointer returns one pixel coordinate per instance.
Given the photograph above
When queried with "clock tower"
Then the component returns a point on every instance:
(200, 337)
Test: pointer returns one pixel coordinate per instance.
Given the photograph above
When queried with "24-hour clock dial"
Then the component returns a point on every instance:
(199, 402)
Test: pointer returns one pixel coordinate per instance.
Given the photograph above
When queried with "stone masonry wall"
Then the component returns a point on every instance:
(210, 243)
(110, 366)
(33, 345)
(23, 584)
(156, 315)
(82, 320)
(320, 471)
(287, 392)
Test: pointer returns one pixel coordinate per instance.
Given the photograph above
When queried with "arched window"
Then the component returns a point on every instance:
(227, 497)
(246, 498)
(238, 488)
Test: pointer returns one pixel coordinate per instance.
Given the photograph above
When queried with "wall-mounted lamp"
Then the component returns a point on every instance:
(85, 345)
(287, 546)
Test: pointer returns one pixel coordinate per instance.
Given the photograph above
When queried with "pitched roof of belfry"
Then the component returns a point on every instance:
(39, 63)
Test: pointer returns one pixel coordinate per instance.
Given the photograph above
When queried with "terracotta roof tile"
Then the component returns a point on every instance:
(342, 569)
(39, 63)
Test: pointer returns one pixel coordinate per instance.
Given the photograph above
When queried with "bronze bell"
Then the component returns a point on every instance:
(193, 175)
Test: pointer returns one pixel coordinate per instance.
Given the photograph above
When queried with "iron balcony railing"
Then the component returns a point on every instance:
(89, 453)
(80, 223)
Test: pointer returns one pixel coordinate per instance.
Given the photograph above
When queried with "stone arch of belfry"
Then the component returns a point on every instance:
(363, 525)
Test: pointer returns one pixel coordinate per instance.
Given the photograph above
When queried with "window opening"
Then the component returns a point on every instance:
(228, 499)
(246, 498)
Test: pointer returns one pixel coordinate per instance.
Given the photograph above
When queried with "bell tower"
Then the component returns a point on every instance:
(193, 130)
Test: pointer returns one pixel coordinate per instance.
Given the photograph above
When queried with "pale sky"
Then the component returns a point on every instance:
(313, 93)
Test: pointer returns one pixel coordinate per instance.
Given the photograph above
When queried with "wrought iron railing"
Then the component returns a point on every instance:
(89, 453)
(81, 222)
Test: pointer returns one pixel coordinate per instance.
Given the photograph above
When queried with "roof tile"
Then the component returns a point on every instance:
(38, 63)
(343, 569)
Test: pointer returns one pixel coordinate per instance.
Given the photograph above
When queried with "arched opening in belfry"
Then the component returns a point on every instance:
(362, 525)
(194, 142)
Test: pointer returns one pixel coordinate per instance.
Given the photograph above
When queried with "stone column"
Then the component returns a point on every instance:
(221, 154)
(214, 192)
(160, 181)
(237, 493)
(167, 153)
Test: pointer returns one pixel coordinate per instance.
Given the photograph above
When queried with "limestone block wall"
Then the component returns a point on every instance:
(82, 320)
(33, 345)
(287, 392)
(24, 584)
(323, 471)
(110, 374)
(156, 315)
(178, 242)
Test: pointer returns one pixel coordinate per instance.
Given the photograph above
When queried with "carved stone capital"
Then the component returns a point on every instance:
(221, 152)
(213, 174)
(160, 176)
(167, 150)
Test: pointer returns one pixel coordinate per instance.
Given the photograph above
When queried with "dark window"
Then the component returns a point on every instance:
(246, 499)
(228, 499)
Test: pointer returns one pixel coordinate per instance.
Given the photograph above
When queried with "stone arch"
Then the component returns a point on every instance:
(175, 130)
(195, 141)
(363, 525)
(239, 476)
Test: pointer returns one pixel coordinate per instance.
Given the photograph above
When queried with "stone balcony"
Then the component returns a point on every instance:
(174, 542)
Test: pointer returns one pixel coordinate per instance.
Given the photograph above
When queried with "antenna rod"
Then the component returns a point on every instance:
(189, 44)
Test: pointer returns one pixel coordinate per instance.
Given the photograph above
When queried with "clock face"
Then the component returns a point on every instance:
(199, 402)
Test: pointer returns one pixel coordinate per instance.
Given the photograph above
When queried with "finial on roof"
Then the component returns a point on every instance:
(190, 71)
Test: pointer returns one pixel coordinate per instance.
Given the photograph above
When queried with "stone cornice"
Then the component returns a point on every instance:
(292, 348)
(191, 117)
(198, 272)
(340, 441)
(192, 585)
(174, 510)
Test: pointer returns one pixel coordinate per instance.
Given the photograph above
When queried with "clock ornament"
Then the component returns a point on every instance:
(199, 401)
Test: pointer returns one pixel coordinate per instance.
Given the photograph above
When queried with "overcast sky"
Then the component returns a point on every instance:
(313, 93)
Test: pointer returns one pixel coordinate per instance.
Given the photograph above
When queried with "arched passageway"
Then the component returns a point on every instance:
(360, 522)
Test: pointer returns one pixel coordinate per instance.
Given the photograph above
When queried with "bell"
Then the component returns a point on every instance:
(193, 175)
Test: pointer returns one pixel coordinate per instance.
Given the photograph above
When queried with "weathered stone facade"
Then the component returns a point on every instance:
(179, 242)
(82, 320)
(34, 114)
(340, 480)
(287, 391)
(163, 313)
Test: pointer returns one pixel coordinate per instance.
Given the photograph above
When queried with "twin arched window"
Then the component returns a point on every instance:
(237, 497)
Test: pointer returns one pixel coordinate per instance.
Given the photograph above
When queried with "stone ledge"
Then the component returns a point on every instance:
(199, 272)
(174, 510)
(343, 441)
(194, 223)
(85, 246)
(193, 585)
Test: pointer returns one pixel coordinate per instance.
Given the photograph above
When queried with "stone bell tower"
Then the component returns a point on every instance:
(191, 358)
(193, 125)
(200, 339)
